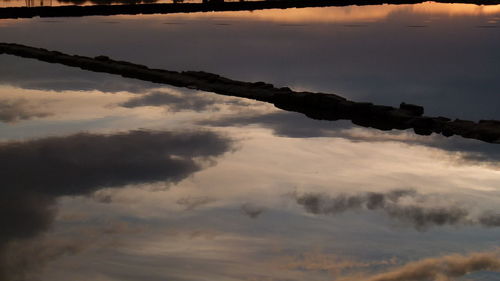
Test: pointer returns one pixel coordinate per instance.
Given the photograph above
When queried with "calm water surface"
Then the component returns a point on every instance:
(107, 178)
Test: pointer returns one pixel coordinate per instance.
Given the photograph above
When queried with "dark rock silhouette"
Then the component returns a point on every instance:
(134, 7)
(318, 106)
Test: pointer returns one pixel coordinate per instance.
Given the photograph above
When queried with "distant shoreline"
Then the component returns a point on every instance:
(170, 8)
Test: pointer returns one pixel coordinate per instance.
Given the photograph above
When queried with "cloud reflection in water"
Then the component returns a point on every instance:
(34, 173)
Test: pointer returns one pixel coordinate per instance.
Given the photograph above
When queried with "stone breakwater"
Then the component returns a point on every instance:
(209, 6)
(320, 106)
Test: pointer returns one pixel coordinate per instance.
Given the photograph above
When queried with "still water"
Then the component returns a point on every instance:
(108, 178)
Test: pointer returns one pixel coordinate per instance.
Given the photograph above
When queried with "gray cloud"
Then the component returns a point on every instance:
(446, 268)
(15, 110)
(102, 197)
(406, 206)
(251, 210)
(191, 203)
(187, 101)
(174, 102)
(85, 162)
(34, 173)
(490, 219)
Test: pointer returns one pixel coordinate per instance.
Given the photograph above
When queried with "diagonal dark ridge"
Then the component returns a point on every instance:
(210, 6)
(320, 106)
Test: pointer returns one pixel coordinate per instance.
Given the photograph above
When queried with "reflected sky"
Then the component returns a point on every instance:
(107, 178)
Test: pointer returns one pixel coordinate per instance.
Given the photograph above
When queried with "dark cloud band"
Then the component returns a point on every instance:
(415, 210)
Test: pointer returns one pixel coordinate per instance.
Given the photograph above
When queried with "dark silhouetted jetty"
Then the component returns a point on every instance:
(320, 106)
